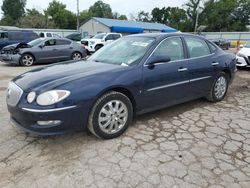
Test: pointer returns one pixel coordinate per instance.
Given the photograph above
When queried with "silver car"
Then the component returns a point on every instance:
(42, 50)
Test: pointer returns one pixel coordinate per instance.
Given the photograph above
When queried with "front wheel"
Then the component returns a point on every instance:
(219, 88)
(111, 115)
(27, 60)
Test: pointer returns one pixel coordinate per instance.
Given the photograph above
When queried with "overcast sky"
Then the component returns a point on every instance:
(121, 6)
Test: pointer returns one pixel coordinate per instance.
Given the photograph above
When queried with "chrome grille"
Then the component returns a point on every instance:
(14, 94)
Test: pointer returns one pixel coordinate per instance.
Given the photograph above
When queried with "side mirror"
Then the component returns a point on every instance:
(158, 59)
(41, 45)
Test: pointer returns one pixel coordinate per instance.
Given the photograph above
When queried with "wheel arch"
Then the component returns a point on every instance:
(123, 90)
(29, 53)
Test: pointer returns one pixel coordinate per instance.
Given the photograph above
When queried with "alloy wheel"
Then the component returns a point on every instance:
(27, 60)
(77, 56)
(113, 116)
(220, 87)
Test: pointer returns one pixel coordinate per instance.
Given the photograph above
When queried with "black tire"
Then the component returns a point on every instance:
(98, 47)
(212, 94)
(93, 122)
(76, 56)
(27, 60)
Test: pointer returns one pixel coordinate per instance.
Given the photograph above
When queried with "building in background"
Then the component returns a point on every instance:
(103, 25)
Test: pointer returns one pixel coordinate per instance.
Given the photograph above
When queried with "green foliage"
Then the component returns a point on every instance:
(116, 15)
(84, 16)
(63, 18)
(172, 16)
(143, 16)
(34, 19)
(100, 9)
(227, 15)
(12, 11)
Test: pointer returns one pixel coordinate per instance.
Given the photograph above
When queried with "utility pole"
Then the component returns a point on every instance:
(197, 19)
(77, 15)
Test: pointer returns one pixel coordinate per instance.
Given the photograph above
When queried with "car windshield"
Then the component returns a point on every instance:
(35, 42)
(99, 36)
(125, 51)
(247, 45)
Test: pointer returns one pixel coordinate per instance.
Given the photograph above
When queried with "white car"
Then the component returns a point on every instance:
(99, 40)
(243, 56)
(49, 35)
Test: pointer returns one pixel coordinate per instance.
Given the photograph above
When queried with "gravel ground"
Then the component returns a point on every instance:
(196, 144)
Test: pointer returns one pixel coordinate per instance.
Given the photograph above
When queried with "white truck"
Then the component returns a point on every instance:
(99, 40)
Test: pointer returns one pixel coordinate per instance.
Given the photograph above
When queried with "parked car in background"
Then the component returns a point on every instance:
(99, 40)
(75, 37)
(42, 50)
(8, 37)
(49, 35)
(222, 43)
(133, 75)
(243, 56)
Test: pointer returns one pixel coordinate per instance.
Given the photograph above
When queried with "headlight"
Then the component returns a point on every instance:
(92, 42)
(31, 97)
(240, 55)
(52, 97)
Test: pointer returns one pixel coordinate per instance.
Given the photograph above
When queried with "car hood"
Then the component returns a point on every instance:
(245, 51)
(50, 77)
(16, 46)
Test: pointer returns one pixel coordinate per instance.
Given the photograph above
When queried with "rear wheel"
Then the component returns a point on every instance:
(219, 88)
(111, 115)
(27, 60)
(76, 56)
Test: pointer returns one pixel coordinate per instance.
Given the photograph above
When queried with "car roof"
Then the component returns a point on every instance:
(164, 35)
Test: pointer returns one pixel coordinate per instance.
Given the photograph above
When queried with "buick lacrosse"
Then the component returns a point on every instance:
(133, 75)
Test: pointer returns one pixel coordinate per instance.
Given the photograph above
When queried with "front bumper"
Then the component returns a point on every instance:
(90, 48)
(10, 58)
(242, 61)
(71, 119)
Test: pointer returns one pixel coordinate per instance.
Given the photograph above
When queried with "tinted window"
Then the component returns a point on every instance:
(171, 47)
(49, 35)
(41, 35)
(4, 36)
(116, 36)
(63, 42)
(197, 47)
(109, 37)
(77, 37)
(17, 36)
(50, 42)
(212, 47)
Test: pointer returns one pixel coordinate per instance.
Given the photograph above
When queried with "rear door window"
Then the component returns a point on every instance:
(116, 36)
(197, 47)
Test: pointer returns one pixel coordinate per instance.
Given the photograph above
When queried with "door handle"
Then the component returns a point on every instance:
(54, 49)
(215, 63)
(182, 69)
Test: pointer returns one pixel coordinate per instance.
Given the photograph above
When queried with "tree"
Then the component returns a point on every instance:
(100, 9)
(143, 16)
(63, 18)
(118, 16)
(12, 11)
(172, 16)
(193, 6)
(84, 16)
(228, 15)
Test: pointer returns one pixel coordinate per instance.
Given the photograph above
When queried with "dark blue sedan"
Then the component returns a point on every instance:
(133, 75)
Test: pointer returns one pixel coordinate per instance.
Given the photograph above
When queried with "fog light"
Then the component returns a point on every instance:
(47, 123)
